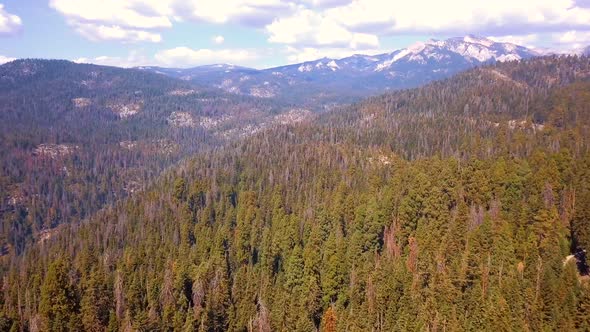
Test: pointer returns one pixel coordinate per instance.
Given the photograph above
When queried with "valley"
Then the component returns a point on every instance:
(441, 187)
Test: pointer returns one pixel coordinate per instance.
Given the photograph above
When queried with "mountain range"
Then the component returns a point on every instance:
(343, 80)
(127, 204)
(92, 135)
(214, 199)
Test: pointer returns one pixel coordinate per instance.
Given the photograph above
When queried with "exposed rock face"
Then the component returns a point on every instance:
(129, 145)
(181, 119)
(81, 102)
(524, 124)
(262, 91)
(54, 151)
(182, 92)
(126, 110)
(293, 116)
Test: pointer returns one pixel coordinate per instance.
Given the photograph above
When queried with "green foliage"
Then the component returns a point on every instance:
(59, 303)
(401, 213)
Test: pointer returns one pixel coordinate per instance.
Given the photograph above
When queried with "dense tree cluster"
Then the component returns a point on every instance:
(444, 208)
(59, 103)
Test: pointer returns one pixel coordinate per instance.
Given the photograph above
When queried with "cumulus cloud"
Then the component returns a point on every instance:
(118, 20)
(556, 42)
(175, 57)
(9, 23)
(186, 57)
(325, 3)
(255, 13)
(5, 59)
(571, 40)
(308, 28)
(498, 17)
(360, 23)
(524, 40)
(333, 24)
(146, 15)
(297, 55)
(218, 40)
(116, 33)
(133, 59)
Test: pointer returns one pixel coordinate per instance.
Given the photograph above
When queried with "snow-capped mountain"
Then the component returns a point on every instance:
(439, 55)
(457, 51)
(358, 75)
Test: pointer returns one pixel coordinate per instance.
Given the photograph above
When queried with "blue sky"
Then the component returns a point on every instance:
(265, 33)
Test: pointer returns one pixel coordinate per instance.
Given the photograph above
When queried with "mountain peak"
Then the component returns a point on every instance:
(478, 40)
(420, 62)
(471, 49)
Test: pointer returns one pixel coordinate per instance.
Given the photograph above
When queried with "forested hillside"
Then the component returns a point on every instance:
(452, 207)
(74, 138)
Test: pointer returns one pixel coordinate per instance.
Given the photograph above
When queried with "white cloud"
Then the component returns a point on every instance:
(9, 23)
(572, 37)
(326, 3)
(551, 43)
(143, 14)
(175, 57)
(103, 32)
(524, 40)
(571, 40)
(146, 15)
(360, 23)
(308, 28)
(186, 57)
(360, 40)
(498, 17)
(136, 16)
(255, 13)
(297, 55)
(5, 59)
(334, 26)
(118, 20)
(218, 40)
(133, 59)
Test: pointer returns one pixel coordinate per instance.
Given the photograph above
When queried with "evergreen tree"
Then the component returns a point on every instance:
(59, 304)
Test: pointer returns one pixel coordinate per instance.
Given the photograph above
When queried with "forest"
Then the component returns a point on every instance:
(462, 205)
(70, 142)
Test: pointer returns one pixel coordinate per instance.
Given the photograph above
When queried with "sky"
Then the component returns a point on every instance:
(268, 33)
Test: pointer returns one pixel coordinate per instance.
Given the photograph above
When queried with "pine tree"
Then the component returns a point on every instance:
(583, 310)
(311, 276)
(58, 306)
(331, 278)
(96, 302)
(179, 189)
(218, 307)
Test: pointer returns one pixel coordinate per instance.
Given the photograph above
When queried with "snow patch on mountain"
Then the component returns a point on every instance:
(508, 57)
(305, 68)
(478, 40)
(471, 48)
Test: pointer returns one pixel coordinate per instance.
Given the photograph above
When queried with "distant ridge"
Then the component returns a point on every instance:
(359, 75)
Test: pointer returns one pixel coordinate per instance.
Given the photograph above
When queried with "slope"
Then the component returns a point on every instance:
(321, 82)
(404, 212)
(75, 137)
